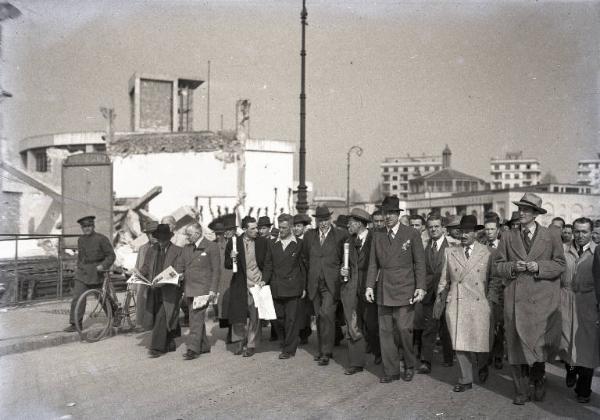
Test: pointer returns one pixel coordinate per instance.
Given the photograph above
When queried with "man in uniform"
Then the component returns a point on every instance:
(94, 255)
(397, 268)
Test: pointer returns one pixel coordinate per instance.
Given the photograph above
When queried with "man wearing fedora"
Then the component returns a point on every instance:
(462, 289)
(142, 292)
(301, 225)
(451, 226)
(360, 315)
(201, 269)
(396, 281)
(305, 308)
(531, 259)
(163, 303)
(264, 227)
(94, 255)
(324, 250)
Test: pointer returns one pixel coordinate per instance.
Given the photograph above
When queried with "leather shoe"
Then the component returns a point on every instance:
(249, 352)
(324, 361)
(70, 328)
(285, 355)
(204, 351)
(377, 360)
(172, 345)
(539, 389)
(462, 387)
(352, 370)
(498, 363)
(318, 357)
(408, 375)
(484, 372)
(386, 379)
(424, 368)
(571, 377)
(448, 364)
(190, 355)
(153, 354)
(583, 400)
(520, 399)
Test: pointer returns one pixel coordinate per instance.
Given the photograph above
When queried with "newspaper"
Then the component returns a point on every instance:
(200, 302)
(263, 302)
(167, 276)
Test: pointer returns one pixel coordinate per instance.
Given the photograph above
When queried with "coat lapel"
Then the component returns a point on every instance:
(540, 241)
(516, 244)
(459, 256)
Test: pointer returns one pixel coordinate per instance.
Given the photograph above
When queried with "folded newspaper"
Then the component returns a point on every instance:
(200, 302)
(167, 276)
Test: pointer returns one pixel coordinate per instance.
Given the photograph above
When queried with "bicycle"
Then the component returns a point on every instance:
(100, 311)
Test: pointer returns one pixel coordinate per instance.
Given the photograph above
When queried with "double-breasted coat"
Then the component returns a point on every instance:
(171, 295)
(324, 260)
(580, 345)
(467, 307)
(201, 268)
(532, 320)
(397, 266)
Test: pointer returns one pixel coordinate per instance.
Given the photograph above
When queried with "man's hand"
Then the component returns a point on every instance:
(520, 266)
(260, 283)
(303, 294)
(418, 296)
(344, 272)
(370, 295)
(212, 296)
(532, 267)
(99, 267)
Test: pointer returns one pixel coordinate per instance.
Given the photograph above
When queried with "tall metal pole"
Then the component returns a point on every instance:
(302, 201)
(359, 152)
(208, 99)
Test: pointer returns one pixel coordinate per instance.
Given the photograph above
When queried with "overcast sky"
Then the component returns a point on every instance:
(394, 77)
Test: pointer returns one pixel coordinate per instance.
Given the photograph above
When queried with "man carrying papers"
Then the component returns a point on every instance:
(162, 263)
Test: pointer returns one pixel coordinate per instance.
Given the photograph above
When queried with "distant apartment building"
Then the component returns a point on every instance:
(514, 171)
(396, 172)
(588, 173)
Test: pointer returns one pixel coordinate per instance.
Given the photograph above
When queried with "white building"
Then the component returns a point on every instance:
(514, 171)
(396, 172)
(588, 173)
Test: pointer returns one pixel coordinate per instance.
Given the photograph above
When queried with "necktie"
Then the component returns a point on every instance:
(391, 235)
(467, 252)
(526, 239)
(434, 246)
(322, 239)
(580, 252)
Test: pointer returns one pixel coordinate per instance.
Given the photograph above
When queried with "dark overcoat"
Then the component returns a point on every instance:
(171, 295)
(397, 266)
(532, 320)
(324, 260)
(285, 270)
(93, 250)
(238, 290)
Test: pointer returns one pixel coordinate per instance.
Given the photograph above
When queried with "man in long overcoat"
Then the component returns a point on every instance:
(397, 272)
(324, 248)
(163, 302)
(531, 259)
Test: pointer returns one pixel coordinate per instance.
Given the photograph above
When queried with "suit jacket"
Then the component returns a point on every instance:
(201, 268)
(93, 250)
(467, 307)
(398, 266)
(434, 262)
(284, 270)
(171, 295)
(238, 290)
(324, 260)
(359, 263)
(531, 301)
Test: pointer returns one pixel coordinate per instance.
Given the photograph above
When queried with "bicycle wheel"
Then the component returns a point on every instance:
(95, 316)
(129, 310)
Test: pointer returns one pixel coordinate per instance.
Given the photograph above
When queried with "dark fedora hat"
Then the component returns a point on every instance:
(531, 200)
(302, 218)
(469, 222)
(264, 221)
(391, 203)
(342, 221)
(163, 232)
(85, 220)
(150, 226)
(217, 225)
(514, 217)
(322, 212)
(228, 221)
(360, 215)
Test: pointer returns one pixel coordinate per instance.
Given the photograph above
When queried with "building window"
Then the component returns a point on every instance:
(506, 185)
(386, 169)
(395, 169)
(403, 177)
(506, 176)
(394, 178)
(404, 187)
(405, 169)
(497, 167)
(427, 169)
(516, 185)
(394, 187)
(41, 161)
(528, 166)
(516, 176)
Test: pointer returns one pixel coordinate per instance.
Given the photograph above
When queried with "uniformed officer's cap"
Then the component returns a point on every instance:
(86, 220)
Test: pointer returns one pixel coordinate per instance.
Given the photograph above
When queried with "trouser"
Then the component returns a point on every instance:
(368, 312)
(465, 362)
(286, 325)
(305, 310)
(524, 374)
(396, 335)
(140, 304)
(80, 288)
(444, 331)
(430, 333)
(197, 339)
(325, 307)
(162, 336)
(497, 339)
(583, 387)
(251, 330)
(354, 328)
(186, 311)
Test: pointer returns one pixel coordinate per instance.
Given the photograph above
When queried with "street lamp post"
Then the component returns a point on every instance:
(302, 201)
(359, 151)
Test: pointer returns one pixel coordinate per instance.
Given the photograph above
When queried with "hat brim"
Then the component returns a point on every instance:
(540, 210)
(474, 227)
(162, 235)
(389, 209)
(360, 219)
(322, 216)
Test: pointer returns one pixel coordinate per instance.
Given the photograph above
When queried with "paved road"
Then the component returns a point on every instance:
(114, 379)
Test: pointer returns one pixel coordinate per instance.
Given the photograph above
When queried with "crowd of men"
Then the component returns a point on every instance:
(513, 290)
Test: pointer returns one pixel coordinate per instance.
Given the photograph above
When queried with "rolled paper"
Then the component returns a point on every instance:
(234, 247)
(346, 258)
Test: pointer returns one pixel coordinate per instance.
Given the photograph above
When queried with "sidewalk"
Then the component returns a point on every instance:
(33, 326)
